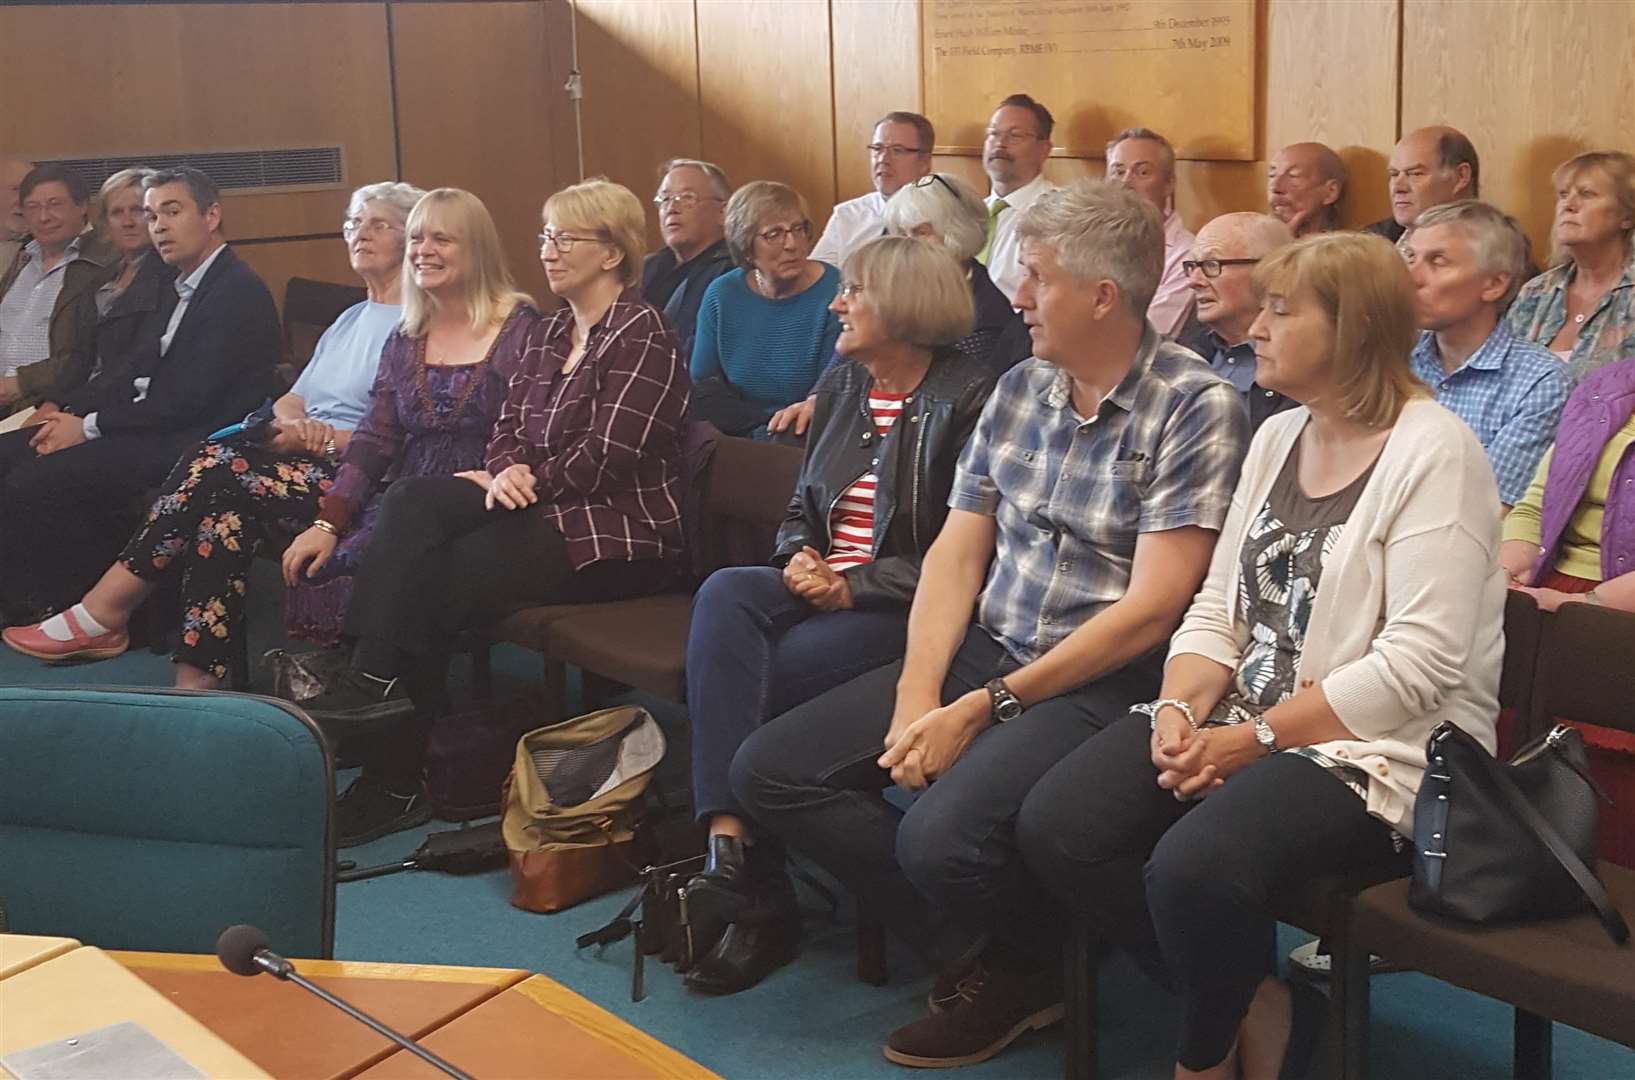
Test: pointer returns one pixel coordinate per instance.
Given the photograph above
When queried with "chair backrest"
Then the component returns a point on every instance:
(309, 308)
(746, 492)
(155, 819)
(1523, 623)
(1586, 668)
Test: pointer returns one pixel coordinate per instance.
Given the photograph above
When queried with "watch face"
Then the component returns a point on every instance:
(1010, 710)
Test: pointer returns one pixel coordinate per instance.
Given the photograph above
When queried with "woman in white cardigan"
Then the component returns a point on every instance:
(1354, 601)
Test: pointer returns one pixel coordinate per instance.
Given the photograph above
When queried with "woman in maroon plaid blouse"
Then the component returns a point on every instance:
(579, 499)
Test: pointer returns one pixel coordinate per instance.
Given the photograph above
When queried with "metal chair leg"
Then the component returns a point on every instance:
(871, 949)
(1080, 1004)
(1535, 1041)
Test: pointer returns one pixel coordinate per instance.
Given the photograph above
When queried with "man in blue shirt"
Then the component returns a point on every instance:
(1466, 261)
(1083, 514)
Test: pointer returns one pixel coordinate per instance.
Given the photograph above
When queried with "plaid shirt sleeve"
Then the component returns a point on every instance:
(1515, 450)
(641, 400)
(1198, 464)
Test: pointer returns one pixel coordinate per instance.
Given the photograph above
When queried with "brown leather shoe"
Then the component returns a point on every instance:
(991, 1008)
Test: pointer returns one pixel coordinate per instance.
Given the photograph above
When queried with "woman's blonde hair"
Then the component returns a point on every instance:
(1362, 285)
(119, 181)
(917, 290)
(490, 290)
(609, 210)
(1619, 168)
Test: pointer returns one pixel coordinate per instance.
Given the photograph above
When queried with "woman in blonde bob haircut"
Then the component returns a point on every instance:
(919, 293)
(489, 291)
(609, 211)
(1361, 284)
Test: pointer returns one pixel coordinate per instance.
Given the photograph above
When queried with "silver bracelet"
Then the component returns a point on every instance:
(1150, 711)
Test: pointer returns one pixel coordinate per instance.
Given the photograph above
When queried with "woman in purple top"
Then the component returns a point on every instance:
(578, 498)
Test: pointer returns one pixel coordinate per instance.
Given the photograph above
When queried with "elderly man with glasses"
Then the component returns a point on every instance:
(1014, 149)
(899, 153)
(692, 203)
(1224, 302)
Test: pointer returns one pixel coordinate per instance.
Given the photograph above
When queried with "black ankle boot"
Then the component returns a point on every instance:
(760, 940)
(719, 893)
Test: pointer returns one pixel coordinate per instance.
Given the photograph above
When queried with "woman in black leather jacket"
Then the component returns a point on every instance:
(890, 420)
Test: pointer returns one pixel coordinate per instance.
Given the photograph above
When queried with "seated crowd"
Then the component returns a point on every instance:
(1212, 529)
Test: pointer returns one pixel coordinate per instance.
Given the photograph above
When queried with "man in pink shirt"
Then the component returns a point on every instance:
(1144, 161)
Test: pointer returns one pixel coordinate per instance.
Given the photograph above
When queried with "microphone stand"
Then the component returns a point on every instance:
(282, 969)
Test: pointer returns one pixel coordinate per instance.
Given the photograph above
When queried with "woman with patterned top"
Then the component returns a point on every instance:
(1353, 603)
(578, 497)
(226, 497)
(1583, 307)
(891, 416)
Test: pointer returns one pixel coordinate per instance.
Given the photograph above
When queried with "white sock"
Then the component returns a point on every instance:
(56, 627)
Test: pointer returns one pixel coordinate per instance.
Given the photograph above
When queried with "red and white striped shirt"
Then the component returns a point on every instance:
(851, 522)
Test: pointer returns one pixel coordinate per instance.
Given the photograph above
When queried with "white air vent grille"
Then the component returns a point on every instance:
(232, 170)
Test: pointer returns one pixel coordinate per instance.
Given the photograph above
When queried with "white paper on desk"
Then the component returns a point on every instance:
(16, 420)
(124, 1051)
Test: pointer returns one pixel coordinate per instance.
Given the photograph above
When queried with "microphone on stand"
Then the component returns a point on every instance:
(244, 950)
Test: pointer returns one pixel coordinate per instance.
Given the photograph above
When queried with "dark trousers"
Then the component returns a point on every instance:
(947, 873)
(1191, 889)
(754, 651)
(218, 504)
(64, 516)
(440, 560)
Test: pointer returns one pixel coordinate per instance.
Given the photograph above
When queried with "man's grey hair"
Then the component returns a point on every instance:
(1166, 152)
(399, 196)
(1495, 237)
(1254, 234)
(1101, 231)
(713, 172)
(948, 205)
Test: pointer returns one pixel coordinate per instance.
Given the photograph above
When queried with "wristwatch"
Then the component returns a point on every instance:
(1265, 736)
(1006, 706)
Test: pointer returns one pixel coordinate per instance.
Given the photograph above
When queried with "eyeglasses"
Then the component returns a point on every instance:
(1011, 136)
(684, 200)
(776, 234)
(53, 205)
(896, 150)
(1212, 267)
(934, 178)
(367, 226)
(849, 290)
(564, 241)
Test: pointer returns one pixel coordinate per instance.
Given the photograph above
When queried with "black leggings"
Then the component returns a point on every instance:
(1192, 889)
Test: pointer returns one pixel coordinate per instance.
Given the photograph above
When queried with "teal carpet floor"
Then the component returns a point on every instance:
(812, 1019)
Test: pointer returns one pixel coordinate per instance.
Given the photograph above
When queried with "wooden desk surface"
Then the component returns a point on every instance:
(292, 1034)
(541, 1028)
(19, 952)
(85, 989)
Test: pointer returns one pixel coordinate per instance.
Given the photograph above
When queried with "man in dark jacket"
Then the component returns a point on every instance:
(692, 202)
(202, 360)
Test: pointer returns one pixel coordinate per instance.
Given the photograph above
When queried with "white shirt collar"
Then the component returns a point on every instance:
(185, 287)
(1024, 196)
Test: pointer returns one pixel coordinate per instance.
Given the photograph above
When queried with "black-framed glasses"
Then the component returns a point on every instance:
(564, 241)
(1212, 267)
(776, 234)
(934, 178)
(684, 200)
(896, 150)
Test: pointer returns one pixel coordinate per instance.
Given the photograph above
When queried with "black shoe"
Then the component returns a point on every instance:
(763, 939)
(367, 810)
(355, 701)
(719, 893)
(992, 1008)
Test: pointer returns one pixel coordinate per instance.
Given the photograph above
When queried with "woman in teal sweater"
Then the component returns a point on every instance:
(765, 332)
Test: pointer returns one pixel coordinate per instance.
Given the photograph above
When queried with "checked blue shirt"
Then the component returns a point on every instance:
(1510, 393)
(1070, 494)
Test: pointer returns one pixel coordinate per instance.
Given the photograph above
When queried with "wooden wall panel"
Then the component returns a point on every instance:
(1552, 80)
(253, 75)
(640, 65)
(877, 70)
(321, 260)
(1332, 78)
(477, 89)
(765, 93)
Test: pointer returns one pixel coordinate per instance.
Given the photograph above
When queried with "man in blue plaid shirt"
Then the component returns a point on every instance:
(1467, 259)
(1083, 515)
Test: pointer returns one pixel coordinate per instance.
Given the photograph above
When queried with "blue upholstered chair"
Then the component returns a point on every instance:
(154, 819)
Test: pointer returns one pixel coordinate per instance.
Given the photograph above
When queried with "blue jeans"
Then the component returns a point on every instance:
(946, 874)
(755, 650)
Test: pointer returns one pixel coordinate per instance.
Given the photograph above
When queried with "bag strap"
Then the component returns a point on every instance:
(1518, 804)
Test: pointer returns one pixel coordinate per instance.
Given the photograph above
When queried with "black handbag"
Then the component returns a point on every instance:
(1508, 842)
